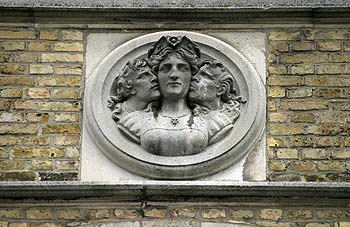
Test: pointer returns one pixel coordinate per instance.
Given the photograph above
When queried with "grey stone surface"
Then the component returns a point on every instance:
(167, 191)
(175, 4)
(93, 165)
(119, 224)
(170, 223)
(211, 224)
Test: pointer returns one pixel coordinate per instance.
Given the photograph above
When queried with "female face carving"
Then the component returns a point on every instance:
(174, 76)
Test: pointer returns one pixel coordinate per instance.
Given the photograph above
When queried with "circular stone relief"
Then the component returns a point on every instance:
(175, 105)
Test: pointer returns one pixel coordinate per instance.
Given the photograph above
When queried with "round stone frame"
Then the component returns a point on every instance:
(246, 132)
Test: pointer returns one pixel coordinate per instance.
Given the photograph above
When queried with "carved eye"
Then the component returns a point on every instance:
(165, 68)
(184, 68)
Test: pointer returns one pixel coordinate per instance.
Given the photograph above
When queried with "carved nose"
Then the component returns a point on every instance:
(174, 76)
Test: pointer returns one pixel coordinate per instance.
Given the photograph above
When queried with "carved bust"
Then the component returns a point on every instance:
(173, 102)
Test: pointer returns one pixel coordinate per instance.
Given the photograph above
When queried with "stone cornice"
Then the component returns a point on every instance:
(173, 190)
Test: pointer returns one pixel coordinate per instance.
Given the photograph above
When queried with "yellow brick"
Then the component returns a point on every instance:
(286, 129)
(25, 105)
(278, 117)
(66, 93)
(299, 92)
(278, 165)
(303, 105)
(18, 176)
(37, 152)
(40, 165)
(336, 34)
(37, 117)
(339, 57)
(67, 165)
(313, 153)
(271, 214)
(341, 154)
(17, 34)
(38, 93)
(242, 214)
(11, 165)
(69, 214)
(214, 213)
(72, 152)
(68, 46)
(280, 47)
(327, 141)
(276, 92)
(67, 140)
(11, 213)
(64, 81)
(343, 224)
(284, 80)
(64, 106)
(346, 46)
(332, 81)
(36, 140)
(68, 70)
(340, 104)
(5, 104)
(277, 141)
(302, 165)
(302, 69)
(18, 57)
(11, 117)
(329, 69)
(287, 153)
(328, 92)
(3, 154)
(11, 93)
(66, 117)
(307, 58)
(40, 69)
(10, 140)
(317, 225)
(183, 213)
(12, 46)
(17, 128)
(331, 165)
(48, 35)
(303, 117)
(39, 46)
(278, 69)
(39, 214)
(284, 36)
(12, 69)
(271, 105)
(61, 57)
(72, 35)
(272, 224)
(61, 128)
(329, 214)
(98, 213)
(329, 46)
(303, 46)
(17, 80)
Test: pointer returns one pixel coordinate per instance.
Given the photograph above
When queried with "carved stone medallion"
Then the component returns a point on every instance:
(175, 105)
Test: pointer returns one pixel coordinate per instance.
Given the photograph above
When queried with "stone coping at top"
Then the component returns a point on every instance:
(263, 5)
(168, 190)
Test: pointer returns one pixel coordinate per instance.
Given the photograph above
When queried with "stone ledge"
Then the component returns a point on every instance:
(176, 4)
(169, 190)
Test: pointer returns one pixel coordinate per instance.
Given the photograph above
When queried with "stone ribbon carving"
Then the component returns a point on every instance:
(173, 102)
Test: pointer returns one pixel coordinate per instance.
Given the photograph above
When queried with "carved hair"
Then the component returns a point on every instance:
(125, 79)
(224, 79)
(181, 46)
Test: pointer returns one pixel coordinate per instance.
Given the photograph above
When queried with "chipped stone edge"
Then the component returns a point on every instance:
(262, 5)
(168, 190)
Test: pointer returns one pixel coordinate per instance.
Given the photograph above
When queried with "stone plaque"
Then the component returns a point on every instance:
(174, 105)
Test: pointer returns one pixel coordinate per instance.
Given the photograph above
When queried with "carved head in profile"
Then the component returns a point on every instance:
(212, 85)
(136, 84)
(174, 59)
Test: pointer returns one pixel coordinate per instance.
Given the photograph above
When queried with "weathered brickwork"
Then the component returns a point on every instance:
(41, 73)
(308, 103)
(198, 215)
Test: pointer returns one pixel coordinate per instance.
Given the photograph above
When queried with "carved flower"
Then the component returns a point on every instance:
(174, 40)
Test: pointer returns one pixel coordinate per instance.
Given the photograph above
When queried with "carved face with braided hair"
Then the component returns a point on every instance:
(136, 85)
(212, 85)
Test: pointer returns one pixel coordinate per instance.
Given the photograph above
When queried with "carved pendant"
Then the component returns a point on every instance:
(174, 121)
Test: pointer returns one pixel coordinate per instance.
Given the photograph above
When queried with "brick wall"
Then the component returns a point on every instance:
(308, 105)
(41, 79)
(40, 102)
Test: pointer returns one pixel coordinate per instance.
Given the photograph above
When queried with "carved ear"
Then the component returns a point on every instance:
(222, 89)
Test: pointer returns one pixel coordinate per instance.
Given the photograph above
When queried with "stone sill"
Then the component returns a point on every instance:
(233, 5)
(172, 190)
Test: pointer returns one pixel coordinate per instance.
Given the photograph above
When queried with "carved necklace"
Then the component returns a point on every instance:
(174, 120)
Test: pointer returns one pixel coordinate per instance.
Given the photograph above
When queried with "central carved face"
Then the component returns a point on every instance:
(174, 76)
